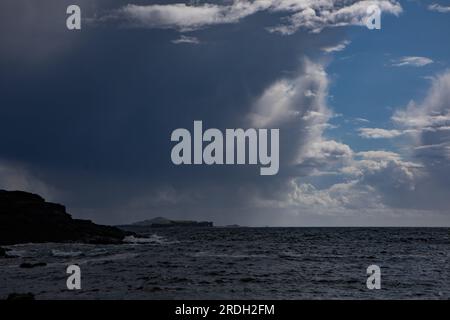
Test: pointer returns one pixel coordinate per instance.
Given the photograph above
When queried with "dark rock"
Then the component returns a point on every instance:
(27, 217)
(26, 265)
(21, 296)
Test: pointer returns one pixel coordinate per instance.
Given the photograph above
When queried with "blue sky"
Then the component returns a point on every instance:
(364, 118)
(366, 84)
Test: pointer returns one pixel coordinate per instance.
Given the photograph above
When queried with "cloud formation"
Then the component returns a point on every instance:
(298, 107)
(302, 14)
(411, 61)
(317, 15)
(356, 181)
(186, 39)
(429, 121)
(332, 179)
(377, 133)
(339, 47)
(439, 8)
(420, 181)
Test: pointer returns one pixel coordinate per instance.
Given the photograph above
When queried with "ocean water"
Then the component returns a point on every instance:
(241, 263)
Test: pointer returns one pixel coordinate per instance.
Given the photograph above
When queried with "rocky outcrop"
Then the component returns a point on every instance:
(27, 217)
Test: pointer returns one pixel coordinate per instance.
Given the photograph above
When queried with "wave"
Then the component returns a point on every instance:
(232, 256)
(96, 252)
(18, 253)
(154, 238)
(109, 258)
(65, 254)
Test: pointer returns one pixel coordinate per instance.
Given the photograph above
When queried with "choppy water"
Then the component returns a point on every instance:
(247, 263)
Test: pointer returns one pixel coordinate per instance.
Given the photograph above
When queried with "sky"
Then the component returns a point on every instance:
(364, 115)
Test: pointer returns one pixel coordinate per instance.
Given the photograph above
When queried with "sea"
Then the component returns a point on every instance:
(239, 263)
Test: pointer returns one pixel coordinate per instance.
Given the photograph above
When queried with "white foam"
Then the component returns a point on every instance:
(18, 253)
(152, 239)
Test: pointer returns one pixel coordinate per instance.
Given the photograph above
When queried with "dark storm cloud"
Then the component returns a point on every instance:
(86, 116)
(90, 112)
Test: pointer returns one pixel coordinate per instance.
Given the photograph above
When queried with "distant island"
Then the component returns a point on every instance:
(161, 222)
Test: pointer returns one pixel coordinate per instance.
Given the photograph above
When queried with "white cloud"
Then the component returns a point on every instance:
(375, 163)
(356, 121)
(411, 61)
(421, 122)
(377, 133)
(306, 14)
(340, 196)
(326, 152)
(186, 17)
(317, 15)
(430, 123)
(439, 8)
(355, 181)
(322, 176)
(433, 114)
(376, 176)
(293, 100)
(186, 39)
(302, 118)
(339, 47)
(379, 155)
(418, 179)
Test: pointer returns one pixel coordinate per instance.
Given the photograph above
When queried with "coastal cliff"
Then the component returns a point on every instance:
(27, 217)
